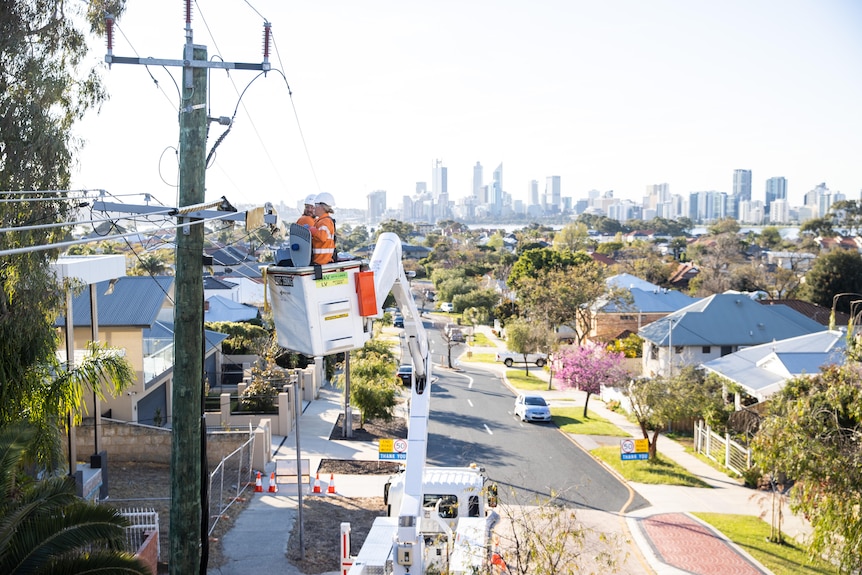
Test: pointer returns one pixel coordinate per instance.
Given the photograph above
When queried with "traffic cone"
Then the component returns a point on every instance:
(316, 483)
(258, 486)
(273, 487)
(331, 488)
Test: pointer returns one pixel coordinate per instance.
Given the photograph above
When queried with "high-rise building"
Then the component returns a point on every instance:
(495, 192)
(477, 184)
(533, 193)
(552, 194)
(742, 185)
(439, 184)
(776, 189)
(376, 206)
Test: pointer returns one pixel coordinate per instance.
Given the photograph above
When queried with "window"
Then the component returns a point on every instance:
(706, 349)
(627, 317)
(726, 350)
(653, 352)
(473, 506)
(448, 505)
(678, 349)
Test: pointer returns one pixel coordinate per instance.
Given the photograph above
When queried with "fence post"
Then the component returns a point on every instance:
(697, 432)
(727, 451)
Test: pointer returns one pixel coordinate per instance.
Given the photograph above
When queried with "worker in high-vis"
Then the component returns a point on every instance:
(307, 217)
(323, 230)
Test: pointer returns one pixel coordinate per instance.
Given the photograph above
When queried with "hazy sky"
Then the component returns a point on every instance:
(607, 94)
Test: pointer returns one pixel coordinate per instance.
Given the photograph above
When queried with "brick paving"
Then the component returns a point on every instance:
(681, 542)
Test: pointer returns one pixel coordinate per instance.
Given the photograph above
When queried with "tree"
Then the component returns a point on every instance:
(151, 264)
(588, 367)
(564, 297)
(848, 213)
(46, 528)
(402, 229)
(724, 226)
(573, 237)
(658, 402)
(813, 433)
(373, 384)
(818, 227)
(838, 271)
(532, 261)
(526, 337)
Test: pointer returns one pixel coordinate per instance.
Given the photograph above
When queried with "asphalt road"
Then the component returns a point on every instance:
(472, 421)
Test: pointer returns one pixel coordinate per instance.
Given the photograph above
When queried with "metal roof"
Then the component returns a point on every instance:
(224, 309)
(646, 297)
(133, 301)
(762, 369)
(165, 330)
(728, 319)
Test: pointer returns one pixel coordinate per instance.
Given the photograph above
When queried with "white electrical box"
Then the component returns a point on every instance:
(405, 555)
(321, 315)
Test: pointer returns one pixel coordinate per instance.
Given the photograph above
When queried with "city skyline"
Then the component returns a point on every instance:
(608, 96)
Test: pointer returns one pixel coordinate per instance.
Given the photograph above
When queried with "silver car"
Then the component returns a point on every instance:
(532, 408)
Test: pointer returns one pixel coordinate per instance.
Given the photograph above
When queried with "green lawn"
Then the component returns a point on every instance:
(481, 340)
(521, 380)
(660, 471)
(752, 534)
(480, 357)
(571, 420)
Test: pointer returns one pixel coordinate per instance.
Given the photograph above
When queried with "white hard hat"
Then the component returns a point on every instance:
(325, 198)
(309, 199)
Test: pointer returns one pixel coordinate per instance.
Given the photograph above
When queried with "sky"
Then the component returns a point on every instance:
(608, 95)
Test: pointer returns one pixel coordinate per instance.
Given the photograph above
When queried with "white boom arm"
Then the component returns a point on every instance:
(389, 276)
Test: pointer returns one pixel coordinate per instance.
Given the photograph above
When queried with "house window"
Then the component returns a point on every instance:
(627, 318)
(653, 352)
(726, 350)
(706, 350)
(678, 349)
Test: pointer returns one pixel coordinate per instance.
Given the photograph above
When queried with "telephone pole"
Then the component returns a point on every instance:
(187, 519)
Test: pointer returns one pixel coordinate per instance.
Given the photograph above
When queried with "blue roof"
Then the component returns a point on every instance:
(728, 319)
(646, 297)
(224, 309)
(211, 283)
(165, 330)
(134, 301)
(762, 369)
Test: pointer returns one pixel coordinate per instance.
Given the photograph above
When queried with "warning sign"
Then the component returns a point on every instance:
(633, 449)
(392, 449)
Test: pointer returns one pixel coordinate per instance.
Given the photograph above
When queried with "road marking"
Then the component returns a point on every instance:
(488, 429)
(470, 403)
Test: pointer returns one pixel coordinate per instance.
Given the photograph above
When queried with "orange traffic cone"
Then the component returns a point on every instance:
(273, 487)
(258, 486)
(331, 488)
(316, 483)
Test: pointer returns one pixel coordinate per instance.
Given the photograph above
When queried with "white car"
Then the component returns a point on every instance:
(532, 408)
(511, 358)
(447, 306)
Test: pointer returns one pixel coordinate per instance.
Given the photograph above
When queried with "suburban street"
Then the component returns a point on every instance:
(472, 421)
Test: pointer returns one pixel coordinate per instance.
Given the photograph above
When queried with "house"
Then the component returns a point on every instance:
(682, 275)
(762, 370)
(640, 304)
(714, 327)
(818, 313)
(220, 287)
(135, 314)
(218, 308)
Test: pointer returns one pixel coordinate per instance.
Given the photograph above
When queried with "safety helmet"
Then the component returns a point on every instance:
(325, 198)
(309, 199)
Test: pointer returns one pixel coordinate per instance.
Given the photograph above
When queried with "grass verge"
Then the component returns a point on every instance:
(480, 357)
(752, 534)
(571, 420)
(520, 380)
(658, 471)
(481, 340)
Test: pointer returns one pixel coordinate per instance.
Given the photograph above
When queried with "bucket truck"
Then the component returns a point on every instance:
(437, 521)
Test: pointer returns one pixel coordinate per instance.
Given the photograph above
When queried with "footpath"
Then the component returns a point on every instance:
(666, 538)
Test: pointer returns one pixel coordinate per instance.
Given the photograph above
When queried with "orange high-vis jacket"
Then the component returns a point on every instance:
(305, 220)
(323, 241)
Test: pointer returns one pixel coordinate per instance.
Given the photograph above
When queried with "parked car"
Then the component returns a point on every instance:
(511, 358)
(405, 373)
(398, 321)
(532, 408)
(447, 306)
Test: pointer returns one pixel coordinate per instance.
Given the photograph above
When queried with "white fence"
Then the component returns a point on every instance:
(723, 450)
(229, 479)
(143, 521)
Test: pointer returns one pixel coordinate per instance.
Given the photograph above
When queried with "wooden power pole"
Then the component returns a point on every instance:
(185, 538)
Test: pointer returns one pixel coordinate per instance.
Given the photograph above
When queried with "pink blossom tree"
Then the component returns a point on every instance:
(588, 367)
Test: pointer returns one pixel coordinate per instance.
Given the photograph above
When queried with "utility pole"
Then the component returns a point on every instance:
(188, 319)
(188, 531)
